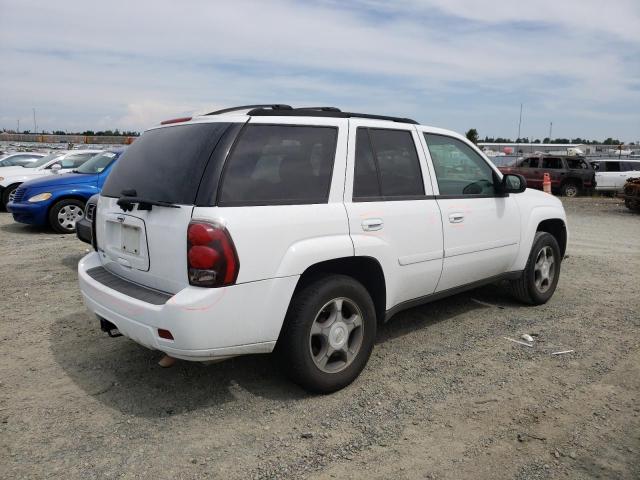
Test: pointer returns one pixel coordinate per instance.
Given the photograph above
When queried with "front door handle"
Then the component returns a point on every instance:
(372, 224)
(456, 218)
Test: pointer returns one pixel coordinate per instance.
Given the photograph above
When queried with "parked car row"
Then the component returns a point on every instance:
(573, 175)
(53, 189)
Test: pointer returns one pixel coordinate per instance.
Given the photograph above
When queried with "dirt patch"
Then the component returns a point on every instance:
(444, 396)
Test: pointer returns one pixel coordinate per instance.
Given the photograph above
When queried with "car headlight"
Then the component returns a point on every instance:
(41, 197)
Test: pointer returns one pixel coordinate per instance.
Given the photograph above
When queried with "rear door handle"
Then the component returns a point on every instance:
(372, 224)
(456, 218)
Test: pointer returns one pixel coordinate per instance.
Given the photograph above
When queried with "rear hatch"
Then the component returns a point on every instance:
(144, 238)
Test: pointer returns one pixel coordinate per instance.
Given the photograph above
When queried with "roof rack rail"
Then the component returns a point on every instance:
(323, 109)
(274, 106)
(323, 112)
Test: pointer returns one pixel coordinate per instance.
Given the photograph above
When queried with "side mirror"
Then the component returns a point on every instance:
(513, 183)
(55, 168)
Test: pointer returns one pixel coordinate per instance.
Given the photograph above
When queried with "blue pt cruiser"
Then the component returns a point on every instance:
(59, 200)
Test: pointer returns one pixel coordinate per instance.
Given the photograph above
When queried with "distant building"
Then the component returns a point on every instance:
(557, 148)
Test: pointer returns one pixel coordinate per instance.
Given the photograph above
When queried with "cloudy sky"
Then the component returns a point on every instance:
(452, 63)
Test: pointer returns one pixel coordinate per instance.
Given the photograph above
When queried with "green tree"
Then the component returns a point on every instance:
(472, 135)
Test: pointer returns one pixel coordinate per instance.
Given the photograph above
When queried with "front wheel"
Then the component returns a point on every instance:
(64, 215)
(8, 194)
(328, 333)
(540, 276)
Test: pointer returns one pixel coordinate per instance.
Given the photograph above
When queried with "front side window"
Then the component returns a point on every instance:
(43, 160)
(577, 164)
(386, 165)
(459, 169)
(551, 163)
(630, 166)
(279, 164)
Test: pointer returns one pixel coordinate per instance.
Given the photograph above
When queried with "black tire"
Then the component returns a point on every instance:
(6, 193)
(68, 203)
(569, 189)
(525, 288)
(295, 343)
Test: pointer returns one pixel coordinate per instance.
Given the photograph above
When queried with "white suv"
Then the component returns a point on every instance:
(268, 227)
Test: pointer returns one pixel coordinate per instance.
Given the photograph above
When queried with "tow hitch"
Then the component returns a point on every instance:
(110, 328)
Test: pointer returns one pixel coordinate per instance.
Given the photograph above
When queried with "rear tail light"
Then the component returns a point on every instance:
(175, 120)
(212, 260)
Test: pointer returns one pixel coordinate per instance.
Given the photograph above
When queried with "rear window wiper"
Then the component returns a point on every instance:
(129, 198)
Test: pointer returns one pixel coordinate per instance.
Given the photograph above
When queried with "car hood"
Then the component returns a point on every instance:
(55, 181)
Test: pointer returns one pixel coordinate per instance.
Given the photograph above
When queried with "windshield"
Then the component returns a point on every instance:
(98, 163)
(42, 161)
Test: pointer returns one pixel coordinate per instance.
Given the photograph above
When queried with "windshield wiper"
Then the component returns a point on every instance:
(129, 198)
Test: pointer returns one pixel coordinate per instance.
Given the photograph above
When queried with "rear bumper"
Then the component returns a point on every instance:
(29, 213)
(206, 323)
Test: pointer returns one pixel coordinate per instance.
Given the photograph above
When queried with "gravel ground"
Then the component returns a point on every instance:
(444, 396)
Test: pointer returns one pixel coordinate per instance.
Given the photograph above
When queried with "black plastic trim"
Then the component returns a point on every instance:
(311, 112)
(393, 199)
(416, 302)
(247, 107)
(212, 175)
(459, 197)
(126, 287)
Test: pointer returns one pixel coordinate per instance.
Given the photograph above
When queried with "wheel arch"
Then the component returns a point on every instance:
(364, 269)
(557, 228)
(67, 196)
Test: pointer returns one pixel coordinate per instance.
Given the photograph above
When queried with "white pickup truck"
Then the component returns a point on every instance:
(300, 229)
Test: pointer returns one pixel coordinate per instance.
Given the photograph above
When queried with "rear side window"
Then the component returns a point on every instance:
(279, 165)
(165, 164)
(529, 163)
(552, 163)
(386, 165)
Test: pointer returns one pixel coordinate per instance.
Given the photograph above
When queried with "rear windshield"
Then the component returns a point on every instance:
(165, 164)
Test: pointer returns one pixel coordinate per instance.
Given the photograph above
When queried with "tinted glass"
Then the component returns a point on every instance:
(398, 165)
(630, 166)
(529, 163)
(165, 164)
(577, 163)
(459, 169)
(279, 164)
(365, 180)
(551, 163)
(98, 163)
(611, 166)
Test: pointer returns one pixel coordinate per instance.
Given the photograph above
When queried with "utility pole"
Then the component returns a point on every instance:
(519, 123)
(18, 131)
(35, 125)
(550, 130)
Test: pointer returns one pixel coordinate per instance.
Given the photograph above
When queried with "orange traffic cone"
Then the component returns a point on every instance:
(546, 183)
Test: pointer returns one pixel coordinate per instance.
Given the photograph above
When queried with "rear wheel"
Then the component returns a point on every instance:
(569, 189)
(328, 334)
(64, 215)
(540, 276)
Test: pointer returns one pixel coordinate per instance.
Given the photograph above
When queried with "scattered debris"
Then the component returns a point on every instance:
(562, 352)
(488, 400)
(523, 437)
(519, 342)
(527, 337)
(306, 435)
